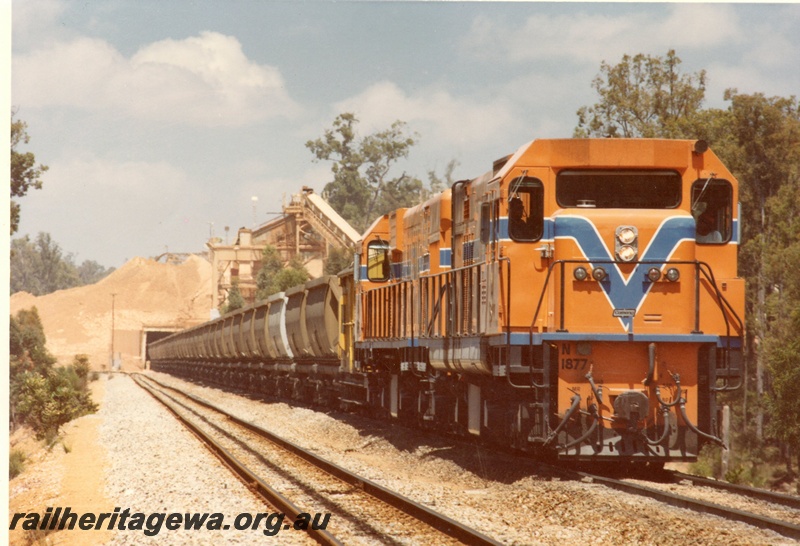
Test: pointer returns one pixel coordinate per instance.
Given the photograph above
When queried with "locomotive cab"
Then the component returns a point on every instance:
(642, 306)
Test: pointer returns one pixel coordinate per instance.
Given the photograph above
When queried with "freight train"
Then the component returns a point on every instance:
(580, 300)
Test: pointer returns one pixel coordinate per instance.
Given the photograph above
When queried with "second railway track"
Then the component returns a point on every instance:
(362, 511)
(763, 509)
(514, 499)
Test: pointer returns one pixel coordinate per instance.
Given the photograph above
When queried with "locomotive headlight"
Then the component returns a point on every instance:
(626, 253)
(654, 274)
(580, 273)
(598, 273)
(626, 235)
(673, 274)
(626, 244)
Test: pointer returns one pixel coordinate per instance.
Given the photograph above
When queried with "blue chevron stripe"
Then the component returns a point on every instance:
(621, 292)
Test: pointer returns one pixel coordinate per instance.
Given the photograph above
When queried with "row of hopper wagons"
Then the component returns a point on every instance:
(283, 345)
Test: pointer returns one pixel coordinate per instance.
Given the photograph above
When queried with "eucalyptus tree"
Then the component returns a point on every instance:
(643, 96)
(758, 138)
(25, 174)
(365, 179)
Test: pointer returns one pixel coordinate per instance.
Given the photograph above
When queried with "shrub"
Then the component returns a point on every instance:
(43, 396)
(48, 402)
(16, 462)
(81, 366)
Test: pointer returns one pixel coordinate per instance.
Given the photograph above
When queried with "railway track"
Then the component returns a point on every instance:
(789, 501)
(773, 511)
(363, 511)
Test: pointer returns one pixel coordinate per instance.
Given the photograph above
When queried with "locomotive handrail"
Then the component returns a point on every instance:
(370, 326)
(437, 307)
(448, 278)
(722, 302)
(701, 268)
(508, 327)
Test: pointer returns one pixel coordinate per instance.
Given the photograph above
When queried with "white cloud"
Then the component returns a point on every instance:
(773, 46)
(591, 38)
(87, 179)
(202, 80)
(104, 207)
(695, 26)
(36, 22)
(436, 113)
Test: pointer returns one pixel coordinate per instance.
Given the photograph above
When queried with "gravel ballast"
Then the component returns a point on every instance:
(156, 466)
(503, 496)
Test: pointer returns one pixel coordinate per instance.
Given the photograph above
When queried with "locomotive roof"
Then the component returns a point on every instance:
(611, 152)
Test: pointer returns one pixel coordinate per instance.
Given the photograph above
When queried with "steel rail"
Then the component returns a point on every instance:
(422, 513)
(783, 499)
(251, 480)
(781, 527)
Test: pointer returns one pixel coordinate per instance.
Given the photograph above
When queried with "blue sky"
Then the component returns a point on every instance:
(158, 118)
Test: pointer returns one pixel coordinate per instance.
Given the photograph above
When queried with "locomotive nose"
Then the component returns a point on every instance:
(631, 407)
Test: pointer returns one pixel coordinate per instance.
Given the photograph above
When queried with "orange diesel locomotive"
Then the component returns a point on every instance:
(579, 299)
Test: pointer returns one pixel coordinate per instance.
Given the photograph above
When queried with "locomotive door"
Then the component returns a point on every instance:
(487, 284)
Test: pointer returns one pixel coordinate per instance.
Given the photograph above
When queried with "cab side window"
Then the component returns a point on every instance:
(712, 209)
(526, 209)
(378, 265)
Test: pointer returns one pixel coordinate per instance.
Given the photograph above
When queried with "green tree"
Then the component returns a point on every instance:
(27, 353)
(274, 277)
(27, 344)
(271, 265)
(292, 275)
(363, 185)
(644, 96)
(338, 260)
(90, 272)
(783, 312)
(784, 402)
(40, 267)
(780, 351)
(25, 174)
(235, 300)
(82, 367)
(765, 157)
(47, 402)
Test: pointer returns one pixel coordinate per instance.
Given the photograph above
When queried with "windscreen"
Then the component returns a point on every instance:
(619, 189)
